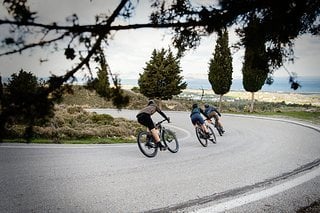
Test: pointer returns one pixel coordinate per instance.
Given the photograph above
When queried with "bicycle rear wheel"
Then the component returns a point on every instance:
(146, 144)
(170, 140)
(212, 136)
(203, 141)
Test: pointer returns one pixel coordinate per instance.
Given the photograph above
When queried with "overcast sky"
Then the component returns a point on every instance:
(129, 50)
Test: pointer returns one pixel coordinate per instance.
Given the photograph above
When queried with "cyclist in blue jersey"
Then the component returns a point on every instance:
(197, 118)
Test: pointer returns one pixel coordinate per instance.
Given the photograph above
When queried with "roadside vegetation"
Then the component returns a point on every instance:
(73, 124)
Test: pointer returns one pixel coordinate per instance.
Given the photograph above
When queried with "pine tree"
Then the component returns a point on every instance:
(27, 102)
(101, 85)
(220, 67)
(161, 77)
(255, 67)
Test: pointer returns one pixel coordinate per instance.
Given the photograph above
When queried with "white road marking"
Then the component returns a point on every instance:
(224, 206)
(188, 134)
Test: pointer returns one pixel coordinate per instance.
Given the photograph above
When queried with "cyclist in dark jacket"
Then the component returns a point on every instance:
(213, 112)
(197, 118)
(144, 118)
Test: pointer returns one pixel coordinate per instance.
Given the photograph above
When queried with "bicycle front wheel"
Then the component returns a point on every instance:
(219, 129)
(202, 139)
(170, 140)
(146, 144)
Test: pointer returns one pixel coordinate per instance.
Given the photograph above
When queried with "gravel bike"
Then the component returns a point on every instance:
(203, 137)
(217, 126)
(148, 146)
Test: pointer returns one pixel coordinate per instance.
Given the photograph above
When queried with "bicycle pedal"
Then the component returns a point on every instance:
(150, 145)
(162, 147)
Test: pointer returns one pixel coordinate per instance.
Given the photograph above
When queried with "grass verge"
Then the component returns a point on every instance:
(73, 141)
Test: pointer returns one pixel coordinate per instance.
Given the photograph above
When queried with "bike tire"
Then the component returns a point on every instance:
(212, 137)
(142, 140)
(219, 131)
(202, 140)
(170, 140)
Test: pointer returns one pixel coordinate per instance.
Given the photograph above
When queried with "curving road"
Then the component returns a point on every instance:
(259, 165)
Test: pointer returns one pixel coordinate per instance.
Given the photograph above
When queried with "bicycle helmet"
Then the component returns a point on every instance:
(194, 106)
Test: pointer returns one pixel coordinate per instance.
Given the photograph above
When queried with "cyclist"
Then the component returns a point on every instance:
(144, 118)
(197, 118)
(212, 112)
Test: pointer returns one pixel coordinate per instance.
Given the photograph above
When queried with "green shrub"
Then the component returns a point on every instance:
(135, 89)
(102, 119)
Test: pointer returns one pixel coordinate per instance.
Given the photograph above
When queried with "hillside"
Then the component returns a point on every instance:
(234, 101)
(90, 99)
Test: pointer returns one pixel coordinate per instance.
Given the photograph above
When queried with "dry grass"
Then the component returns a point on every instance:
(73, 122)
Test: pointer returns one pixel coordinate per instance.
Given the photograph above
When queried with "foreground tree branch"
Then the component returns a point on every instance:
(281, 22)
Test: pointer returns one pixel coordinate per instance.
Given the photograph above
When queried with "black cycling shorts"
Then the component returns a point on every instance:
(145, 120)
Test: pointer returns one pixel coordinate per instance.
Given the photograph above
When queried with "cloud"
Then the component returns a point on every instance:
(128, 51)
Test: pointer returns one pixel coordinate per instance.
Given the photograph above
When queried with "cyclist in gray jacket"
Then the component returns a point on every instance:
(144, 118)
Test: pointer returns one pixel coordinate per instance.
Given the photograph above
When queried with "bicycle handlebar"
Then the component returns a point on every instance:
(160, 122)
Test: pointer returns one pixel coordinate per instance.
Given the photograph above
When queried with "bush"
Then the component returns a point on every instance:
(102, 119)
(73, 122)
(135, 89)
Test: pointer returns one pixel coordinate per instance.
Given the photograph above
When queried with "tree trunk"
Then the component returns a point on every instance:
(202, 94)
(160, 103)
(252, 101)
(220, 103)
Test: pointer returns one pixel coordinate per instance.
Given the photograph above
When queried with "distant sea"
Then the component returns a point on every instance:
(280, 84)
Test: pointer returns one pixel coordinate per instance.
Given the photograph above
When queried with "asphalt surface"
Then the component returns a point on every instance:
(259, 165)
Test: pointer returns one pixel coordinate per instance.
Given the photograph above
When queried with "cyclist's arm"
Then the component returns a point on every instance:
(217, 112)
(162, 114)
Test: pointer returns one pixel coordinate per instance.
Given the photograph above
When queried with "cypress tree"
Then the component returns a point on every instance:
(220, 67)
(255, 67)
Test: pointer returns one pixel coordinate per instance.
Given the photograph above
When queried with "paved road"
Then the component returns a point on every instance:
(259, 165)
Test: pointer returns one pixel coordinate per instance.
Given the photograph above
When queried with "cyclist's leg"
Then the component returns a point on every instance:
(155, 135)
(203, 126)
(211, 115)
(214, 116)
(218, 122)
(197, 118)
(145, 119)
